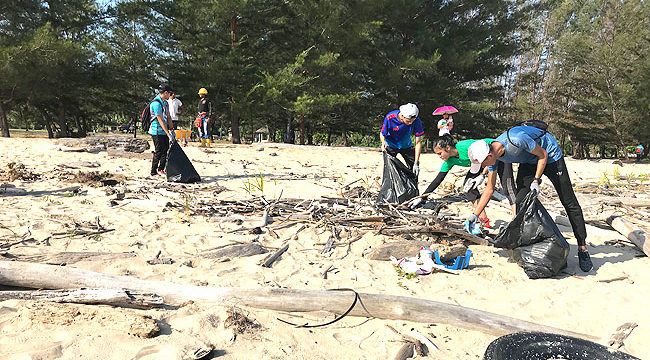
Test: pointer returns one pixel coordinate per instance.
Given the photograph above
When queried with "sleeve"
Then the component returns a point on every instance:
(442, 122)
(156, 108)
(417, 128)
(180, 103)
(384, 128)
(436, 182)
(446, 166)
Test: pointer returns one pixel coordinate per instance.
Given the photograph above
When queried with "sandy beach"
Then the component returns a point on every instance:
(143, 224)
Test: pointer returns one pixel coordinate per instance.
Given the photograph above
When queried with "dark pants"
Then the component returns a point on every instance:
(638, 157)
(506, 175)
(559, 176)
(408, 155)
(161, 144)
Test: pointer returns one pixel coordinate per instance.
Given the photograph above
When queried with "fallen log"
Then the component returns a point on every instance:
(630, 231)
(64, 258)
(14, 273)
(115, 297)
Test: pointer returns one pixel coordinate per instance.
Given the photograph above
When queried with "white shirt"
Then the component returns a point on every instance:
(174, 105)
(445, 128)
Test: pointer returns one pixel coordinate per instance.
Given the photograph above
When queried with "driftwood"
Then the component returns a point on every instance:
(64, 258)
(237, 250)
(14, 273)
(115, 297)
(630, 231)
(633, 202)
(435, 229)
(271, 259)
(622, 332)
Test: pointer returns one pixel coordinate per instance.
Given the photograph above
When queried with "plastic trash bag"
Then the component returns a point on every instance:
(537, 244)
(179, 168)
(398, 184)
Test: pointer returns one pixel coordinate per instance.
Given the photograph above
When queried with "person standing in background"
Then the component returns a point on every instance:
(175, 110)
(445, 124)
(639, 152)
(159, 129)
(202, 122)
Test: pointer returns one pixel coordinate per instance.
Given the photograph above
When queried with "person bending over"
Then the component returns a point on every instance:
(537, 153)
(457, 154)
(396, 133)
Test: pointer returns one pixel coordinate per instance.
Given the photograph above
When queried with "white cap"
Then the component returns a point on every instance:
(409, 110)
(477, 153)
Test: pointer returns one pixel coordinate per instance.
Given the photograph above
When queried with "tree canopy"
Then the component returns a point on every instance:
(331, 68)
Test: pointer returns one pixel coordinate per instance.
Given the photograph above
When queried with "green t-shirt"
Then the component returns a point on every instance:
(463, 158)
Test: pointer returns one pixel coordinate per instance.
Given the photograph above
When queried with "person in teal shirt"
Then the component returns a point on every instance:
(457, 154)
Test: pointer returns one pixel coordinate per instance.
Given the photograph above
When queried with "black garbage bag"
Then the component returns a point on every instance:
(537, 244)
(179, 168)
(398, 184)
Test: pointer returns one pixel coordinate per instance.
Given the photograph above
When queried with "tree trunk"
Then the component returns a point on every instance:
(329, 137)
(345, 138)
(63, 125)
(587, 154)
(236, 139)
(288, 139)
(39, 276)
(302, 130)
(4, 124)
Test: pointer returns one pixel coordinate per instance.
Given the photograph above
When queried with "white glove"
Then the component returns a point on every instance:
(472, 218)
(411, 204)
(534, 186)
(416, 168)
(473, 183)
(171, 135)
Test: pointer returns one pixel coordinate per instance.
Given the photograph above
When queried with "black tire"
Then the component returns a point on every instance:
(542, 346)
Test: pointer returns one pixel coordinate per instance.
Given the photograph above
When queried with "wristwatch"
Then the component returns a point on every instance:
(539, 180)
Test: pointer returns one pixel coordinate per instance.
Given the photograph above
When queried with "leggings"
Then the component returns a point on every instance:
(559, 176)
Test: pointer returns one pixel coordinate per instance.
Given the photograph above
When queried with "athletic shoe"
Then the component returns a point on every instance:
(584, 261)
(161, 172)
(486, 223)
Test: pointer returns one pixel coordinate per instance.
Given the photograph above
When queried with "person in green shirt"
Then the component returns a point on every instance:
(456, 154)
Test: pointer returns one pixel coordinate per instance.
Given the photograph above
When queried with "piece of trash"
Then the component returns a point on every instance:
(460, 263)
(273, 154)
(260, 149)
(119, 168)
(474, 229)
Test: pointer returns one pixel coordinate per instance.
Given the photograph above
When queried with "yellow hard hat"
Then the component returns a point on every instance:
(203, 91)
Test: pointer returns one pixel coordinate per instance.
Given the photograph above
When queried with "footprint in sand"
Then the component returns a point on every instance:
(33, 345)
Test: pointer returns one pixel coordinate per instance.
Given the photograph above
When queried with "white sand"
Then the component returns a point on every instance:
(33, 330)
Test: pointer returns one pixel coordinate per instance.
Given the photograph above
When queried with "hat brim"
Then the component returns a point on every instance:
(475, 168)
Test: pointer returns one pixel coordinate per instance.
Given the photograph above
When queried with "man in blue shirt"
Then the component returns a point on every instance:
(396, 133)
(159, 129)
(537, 152)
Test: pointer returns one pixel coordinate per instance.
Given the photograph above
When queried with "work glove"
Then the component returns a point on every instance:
(172, 136)
(416, 168)
(473, 183)
(413, 203)
(471, 226)
(534, 186)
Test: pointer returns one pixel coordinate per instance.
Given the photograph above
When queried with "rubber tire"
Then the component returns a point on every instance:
(543, 346)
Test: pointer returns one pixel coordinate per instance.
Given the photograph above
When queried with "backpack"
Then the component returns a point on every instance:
(145, 116)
